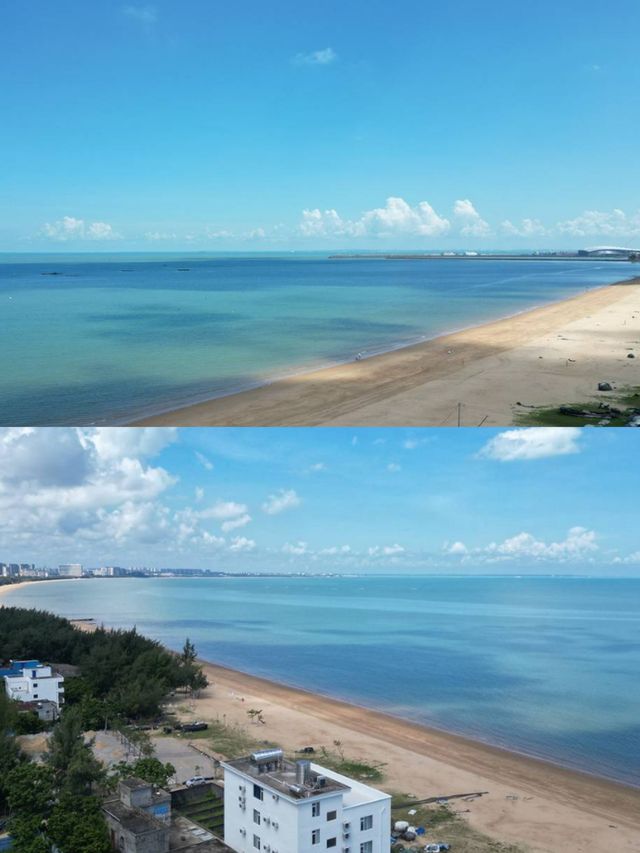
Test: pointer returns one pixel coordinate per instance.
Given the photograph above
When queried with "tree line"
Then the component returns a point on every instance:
(123, 678)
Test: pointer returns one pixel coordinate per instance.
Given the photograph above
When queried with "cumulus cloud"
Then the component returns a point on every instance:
(326, 56)
(296, 549)
(592, 223)
(281, 501)
(235, 523)
(396, 218)
(385, 550)
(224, 510)
(241, 543)
(532, 443)
(526, 228)
(70, 228)
(144, 14)
(471, 223)
(579, 544)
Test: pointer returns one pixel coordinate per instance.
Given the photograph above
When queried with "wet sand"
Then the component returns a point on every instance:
(546, 356)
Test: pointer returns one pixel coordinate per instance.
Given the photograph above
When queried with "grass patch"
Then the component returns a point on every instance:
(626, 400)
(354, 767)
(443, 823)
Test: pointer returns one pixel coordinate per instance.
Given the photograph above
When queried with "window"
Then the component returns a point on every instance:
(258, 793)
(315, 809)
(331, 842)
(315, 836)
(366, 847)
(366, 822)
(34, 684)
(256, 816)
(256, 842)
(332, 815)
(35, 695)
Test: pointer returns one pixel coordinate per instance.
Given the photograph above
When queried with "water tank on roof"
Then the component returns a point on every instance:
(267, 756)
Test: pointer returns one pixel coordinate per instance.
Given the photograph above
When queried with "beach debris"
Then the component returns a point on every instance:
(411, 811)
(630, 355)
(604, 386)
(438, 847)
(512, 797)
(306, 750)
(401, 826)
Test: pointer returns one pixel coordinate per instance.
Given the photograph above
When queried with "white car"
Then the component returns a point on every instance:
(195, 780)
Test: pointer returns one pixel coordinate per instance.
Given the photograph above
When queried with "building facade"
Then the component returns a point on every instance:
(31, 681)
(70, 570)
(277, 806)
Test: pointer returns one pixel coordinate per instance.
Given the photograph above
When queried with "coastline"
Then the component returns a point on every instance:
(545, 355)
(532, 802)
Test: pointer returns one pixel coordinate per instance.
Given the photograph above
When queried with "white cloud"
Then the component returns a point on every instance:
(317, 57)
(148, 441)
(318, 466)
(526, 228)
(199, 494)
(396, 218)
(204, 461)
(241, 543)
(70, 228)
(455, 548)
(336, 551)
(224, 510)
(597, 223)
(385, 550)
(145, 14)
(532, 443)
(579, 544)
(296, 549)
(393, 467)
(472, 224)
(235, 523)
(283, 500)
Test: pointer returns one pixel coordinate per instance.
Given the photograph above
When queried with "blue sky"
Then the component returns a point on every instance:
(323, 500)
(215, 126)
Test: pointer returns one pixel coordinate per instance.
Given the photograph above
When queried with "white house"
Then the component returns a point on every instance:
(30, 681)
(278, 806)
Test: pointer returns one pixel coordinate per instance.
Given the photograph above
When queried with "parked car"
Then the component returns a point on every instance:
(194, 727)
(195, 780)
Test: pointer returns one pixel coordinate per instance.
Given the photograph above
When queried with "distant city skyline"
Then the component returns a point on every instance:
(471, 501)
(149, 126)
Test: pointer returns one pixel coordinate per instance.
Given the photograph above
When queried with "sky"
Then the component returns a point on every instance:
(472, 501)
(284, 126)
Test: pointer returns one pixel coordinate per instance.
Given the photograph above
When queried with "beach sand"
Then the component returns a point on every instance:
(555, 809)
(546, 356)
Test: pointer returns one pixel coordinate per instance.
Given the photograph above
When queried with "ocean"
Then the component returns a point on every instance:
(105, 339)
(547, 666)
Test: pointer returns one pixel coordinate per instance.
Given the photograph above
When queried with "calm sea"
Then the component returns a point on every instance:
(546, 666)
(106, 339)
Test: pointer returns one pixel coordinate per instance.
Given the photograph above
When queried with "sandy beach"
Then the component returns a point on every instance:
(546, 356)
(533, 803)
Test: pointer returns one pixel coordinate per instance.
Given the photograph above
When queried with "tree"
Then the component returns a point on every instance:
(149, 768)
(76, 825)
(189, 653)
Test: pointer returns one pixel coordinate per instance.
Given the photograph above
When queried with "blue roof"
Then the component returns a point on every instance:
(16, 666)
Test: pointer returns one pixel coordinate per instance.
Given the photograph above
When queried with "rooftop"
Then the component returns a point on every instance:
(283, 776)
(135, 821)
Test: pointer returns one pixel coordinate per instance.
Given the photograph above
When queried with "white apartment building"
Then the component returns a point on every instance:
(276, 806)
(30, 681)
(70, 570)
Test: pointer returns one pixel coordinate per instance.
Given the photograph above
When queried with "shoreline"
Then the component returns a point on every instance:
(556, 808)
(485, 367)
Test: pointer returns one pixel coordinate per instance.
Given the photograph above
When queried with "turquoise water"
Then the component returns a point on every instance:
(108, 339)
(546, 666)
